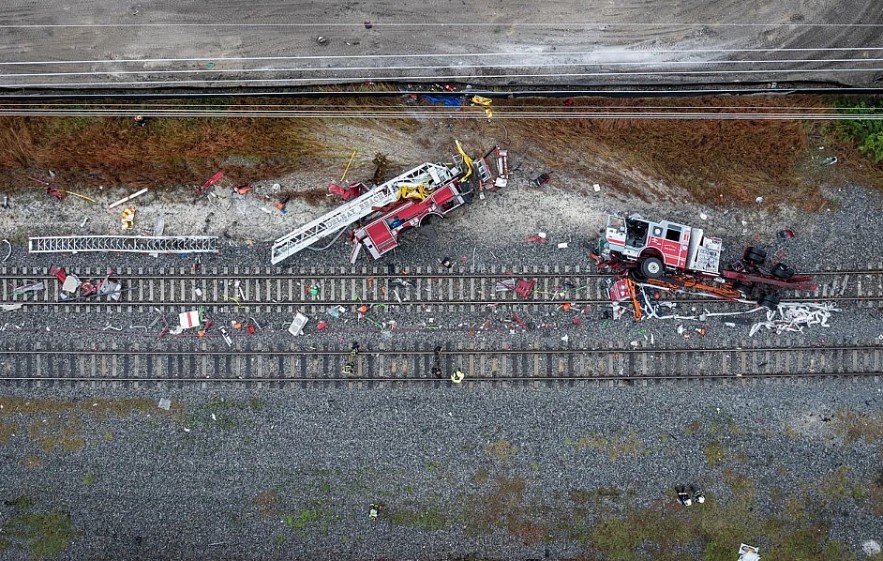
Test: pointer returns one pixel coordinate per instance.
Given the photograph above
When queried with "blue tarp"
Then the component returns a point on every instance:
(449, 100)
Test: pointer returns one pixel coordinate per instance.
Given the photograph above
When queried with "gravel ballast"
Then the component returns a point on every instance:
(281, 474)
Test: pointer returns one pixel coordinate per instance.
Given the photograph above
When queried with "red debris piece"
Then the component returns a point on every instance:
(202, 189)
(536, 239)
(53, 192)
(59, 273)
(524, 288)
(250, 329)
(208, 323)
(517, 319)
(243, 189)
(321, 325)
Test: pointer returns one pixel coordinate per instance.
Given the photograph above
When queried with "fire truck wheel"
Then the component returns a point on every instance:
(782, 271)
(651, 268)
(769, 301)
(754, 255)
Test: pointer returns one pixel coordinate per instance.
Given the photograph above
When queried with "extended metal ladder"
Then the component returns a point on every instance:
(124, 244)
(353, 211)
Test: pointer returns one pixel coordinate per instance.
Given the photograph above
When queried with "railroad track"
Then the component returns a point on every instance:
(277, 290)
(187, 364)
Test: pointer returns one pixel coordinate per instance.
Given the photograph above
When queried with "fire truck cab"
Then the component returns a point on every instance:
(657, 246)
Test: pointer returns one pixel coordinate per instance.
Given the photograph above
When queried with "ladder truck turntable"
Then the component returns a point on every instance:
(673, 255)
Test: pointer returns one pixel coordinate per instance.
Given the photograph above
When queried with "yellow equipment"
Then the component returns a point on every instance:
(479, 100)
(417, 191)
(467, 161)
(127, 220)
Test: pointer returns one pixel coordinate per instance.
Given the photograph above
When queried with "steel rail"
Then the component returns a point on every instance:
(291, 274)
(456, 352)
(367, 362)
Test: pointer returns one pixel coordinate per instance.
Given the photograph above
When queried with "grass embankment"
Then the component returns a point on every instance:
(715, 161)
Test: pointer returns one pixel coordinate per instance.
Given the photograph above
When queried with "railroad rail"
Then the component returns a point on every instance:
(313, 290)
(187, 364)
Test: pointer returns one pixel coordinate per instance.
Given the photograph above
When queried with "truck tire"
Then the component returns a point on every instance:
(769, 301)
(652, 268)
(755, 255)
(782, 271)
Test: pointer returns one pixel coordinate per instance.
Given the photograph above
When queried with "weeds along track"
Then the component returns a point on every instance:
(312, 290)
(186, 365)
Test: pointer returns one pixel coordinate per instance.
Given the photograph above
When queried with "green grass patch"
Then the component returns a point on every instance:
(44, 535)
(866, 133)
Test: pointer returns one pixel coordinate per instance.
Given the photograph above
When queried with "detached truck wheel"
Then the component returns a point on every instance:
(755, 255)
(652, 268)
(769, 301)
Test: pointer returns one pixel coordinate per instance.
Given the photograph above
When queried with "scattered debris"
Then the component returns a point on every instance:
(786, 234)
(562, 245)
(457, 376)
(298, 324)
(539, 238)
(524, 288)
(204, 188)
(8, 251)
(36, 287)
(543, 179)
(188, 320)
(350, 365)
(11, 307)
(748, 553)
(788, 316)
(127, 199)
(829, 161)
(71, 284)
(596, 188)
(226, 337)
(165, 404)
(335, 311)
(127, 219)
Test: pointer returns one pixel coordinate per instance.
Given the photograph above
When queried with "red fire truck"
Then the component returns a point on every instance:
(667, 253)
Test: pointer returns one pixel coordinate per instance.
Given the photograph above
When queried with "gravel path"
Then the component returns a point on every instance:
(487, 471)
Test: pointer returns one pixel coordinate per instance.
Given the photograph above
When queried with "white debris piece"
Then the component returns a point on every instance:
(562, 245)
(748, 553)
(794, 317)
(871, 548)
(758, 200)
(165, 404)
(541, 235)
(71, 284)
(188, 319)
(297, 325)
(703, 216)
(596, 187)
(11, 307)
(226, 337)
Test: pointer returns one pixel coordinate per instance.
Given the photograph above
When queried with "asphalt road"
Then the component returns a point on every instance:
(103, 43)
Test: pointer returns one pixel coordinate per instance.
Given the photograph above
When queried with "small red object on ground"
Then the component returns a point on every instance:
(525, 288)
(59, 273)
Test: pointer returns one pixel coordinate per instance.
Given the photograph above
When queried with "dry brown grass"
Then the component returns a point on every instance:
(714, 161)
